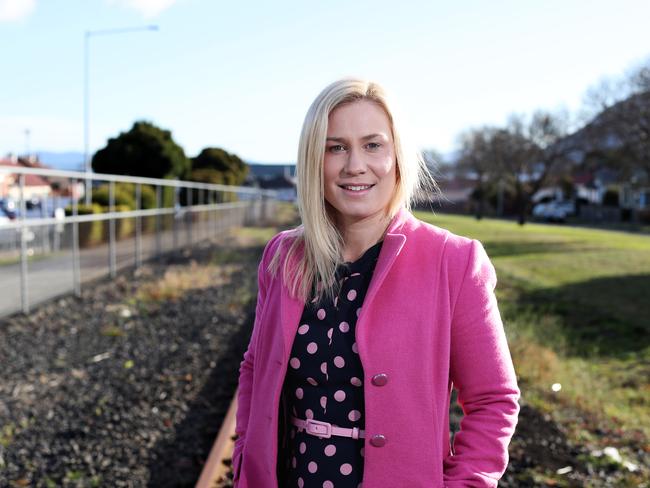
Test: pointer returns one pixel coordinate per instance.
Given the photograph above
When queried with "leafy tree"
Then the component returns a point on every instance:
(230, 166)
(208, 175)
(145, 150)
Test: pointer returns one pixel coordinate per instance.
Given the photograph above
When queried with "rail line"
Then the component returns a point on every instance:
(214, 473)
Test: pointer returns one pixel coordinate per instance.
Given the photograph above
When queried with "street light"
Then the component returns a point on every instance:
(87, 36)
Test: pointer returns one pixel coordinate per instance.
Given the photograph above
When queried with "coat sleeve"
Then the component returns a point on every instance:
(246, 369)
(481, 370)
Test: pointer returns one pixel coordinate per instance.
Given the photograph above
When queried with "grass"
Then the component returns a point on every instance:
(223, 266)
(576, 310)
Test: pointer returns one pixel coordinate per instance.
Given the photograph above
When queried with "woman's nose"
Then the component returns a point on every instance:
(355, 163)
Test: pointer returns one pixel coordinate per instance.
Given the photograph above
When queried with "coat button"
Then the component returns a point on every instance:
(378, 440)
(380, 379)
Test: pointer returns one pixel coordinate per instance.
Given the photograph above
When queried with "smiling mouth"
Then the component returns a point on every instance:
(356, 187)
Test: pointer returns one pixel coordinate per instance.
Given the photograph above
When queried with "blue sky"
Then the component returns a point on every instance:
(240, 75)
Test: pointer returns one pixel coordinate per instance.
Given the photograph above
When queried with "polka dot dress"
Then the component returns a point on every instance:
(324, 381)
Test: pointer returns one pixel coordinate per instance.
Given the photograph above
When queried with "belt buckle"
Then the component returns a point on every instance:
(318, 428)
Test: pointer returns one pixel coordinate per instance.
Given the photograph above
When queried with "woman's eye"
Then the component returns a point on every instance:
(336, 148)
(373, 145)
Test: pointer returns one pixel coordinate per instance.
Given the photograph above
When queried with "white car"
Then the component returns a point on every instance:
(554, 211)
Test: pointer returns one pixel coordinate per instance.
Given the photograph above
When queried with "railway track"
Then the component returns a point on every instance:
(217, 472)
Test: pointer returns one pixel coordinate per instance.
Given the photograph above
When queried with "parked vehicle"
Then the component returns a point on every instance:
(7, 208)
(554, 211)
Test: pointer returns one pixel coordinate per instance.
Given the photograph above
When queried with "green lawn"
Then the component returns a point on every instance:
(576, 306)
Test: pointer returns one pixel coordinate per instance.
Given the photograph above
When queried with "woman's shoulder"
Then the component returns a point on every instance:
(438, 237)
(281, 242)
(461, 255)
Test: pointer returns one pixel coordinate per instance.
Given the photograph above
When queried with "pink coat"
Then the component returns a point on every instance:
(429, 320)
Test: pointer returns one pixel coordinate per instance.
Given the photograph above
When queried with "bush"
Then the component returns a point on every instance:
(90, 233)
(83, 209)
(125, 195)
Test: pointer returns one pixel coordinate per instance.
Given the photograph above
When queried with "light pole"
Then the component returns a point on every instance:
(87, 36)
(27, 134)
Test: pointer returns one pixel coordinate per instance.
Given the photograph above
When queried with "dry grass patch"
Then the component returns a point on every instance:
(178, 280)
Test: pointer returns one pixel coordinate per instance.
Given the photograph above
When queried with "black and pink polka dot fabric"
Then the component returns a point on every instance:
(324, 381)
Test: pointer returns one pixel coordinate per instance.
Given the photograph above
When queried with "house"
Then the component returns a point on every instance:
(36, 187)
(277, 177)
(7, 180)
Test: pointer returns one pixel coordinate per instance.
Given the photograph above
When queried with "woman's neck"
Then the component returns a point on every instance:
(359, 236)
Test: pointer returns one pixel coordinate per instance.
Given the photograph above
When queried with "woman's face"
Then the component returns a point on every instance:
(359, 168)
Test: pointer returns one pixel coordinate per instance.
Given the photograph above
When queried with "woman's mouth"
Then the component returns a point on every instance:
(356, 188)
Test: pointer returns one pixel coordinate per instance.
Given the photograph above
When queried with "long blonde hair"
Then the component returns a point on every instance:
(310, 263)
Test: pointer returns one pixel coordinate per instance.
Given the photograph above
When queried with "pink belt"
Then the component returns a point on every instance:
(325, 429)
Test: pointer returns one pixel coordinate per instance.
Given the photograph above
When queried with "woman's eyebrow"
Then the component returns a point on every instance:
(364, 138)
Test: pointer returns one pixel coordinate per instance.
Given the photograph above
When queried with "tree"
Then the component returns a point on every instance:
(540, 156)
(620, 136)
(520, 158)
(232, 169)
(476, 157)
(618, 133)
(145, 150)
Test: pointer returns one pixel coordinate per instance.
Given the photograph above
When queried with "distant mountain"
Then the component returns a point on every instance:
(62, 160)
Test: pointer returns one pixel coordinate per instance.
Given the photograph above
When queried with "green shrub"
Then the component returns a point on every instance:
(125, 195)
(83, 209)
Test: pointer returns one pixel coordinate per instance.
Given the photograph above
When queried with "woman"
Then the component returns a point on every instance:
(366, 319)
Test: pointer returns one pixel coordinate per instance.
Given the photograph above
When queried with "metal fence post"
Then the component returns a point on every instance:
(201, 213)
(217, 214)
(56, 238)
(76, 268)
(158, 220)
(24, 297)
(174, 224)
(45, 229)
(264, 208)
(112, 268)
(188, 215)
(138, 226)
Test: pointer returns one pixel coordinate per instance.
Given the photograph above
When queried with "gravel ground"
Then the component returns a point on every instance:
(126, 386)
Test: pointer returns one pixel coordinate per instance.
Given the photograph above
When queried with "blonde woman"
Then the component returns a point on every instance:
(366, 319)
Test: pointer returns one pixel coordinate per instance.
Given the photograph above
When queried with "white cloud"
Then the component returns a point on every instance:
(11, 10)
(148, 8)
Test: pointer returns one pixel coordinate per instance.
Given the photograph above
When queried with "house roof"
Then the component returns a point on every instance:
(30, 180)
